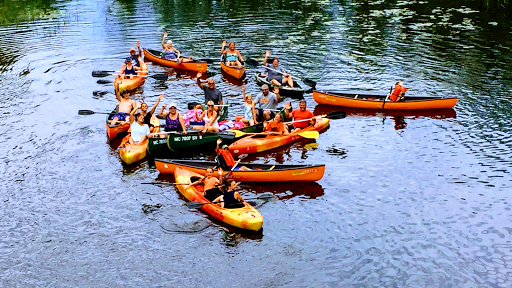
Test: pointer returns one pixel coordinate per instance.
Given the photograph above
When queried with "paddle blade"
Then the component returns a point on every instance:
(242, 156)
(162, 77)
(238, 133)
(310, 134)
(310, 83)
(100, 73)
(252, 62)
(336, 115)
(85, 112)
(207, 60)
(195, 205)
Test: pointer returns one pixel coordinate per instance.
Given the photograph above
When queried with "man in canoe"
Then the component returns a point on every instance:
(147, 115)
(134, 57)
(300, 114)
(125, 105)
(231, 198)
(233, 56)
(225, 158)
(266, 100)
(399, 92)
(210, 92)
(211, 184)
(274, 77)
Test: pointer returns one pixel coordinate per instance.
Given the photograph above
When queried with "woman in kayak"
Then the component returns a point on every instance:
(211, 184)
(138, 129)
(210, 119)
(171, 53)
(233, 56)
(231, 198)
(128, 70)
(173, 120)
(277, 125)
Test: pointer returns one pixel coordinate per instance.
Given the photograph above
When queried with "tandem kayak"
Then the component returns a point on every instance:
(258, 172)
(367, 101)
(262, 142)
(192, 142)
(195, 65)
(245, 218)
(284, 90)
(132, 83)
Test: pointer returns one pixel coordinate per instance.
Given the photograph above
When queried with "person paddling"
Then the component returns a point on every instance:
(231, 198)
(300, 114)
(275, 77)
(211, 184)
(233, 56)
(125, 105)
(398, 93)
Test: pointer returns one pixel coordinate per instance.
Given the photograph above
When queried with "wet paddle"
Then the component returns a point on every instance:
(196, 205)
(305, 134)
(89, 112)
(159, 76)
(308, 82)
(252, 62)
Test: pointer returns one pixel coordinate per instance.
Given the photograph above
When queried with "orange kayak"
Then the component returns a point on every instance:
(258, 172)
(132, 153)
(113, 130)
(132, 83)
(261, 142)
(199, 66)
(366, 101)
(245, 218)
(235, 71)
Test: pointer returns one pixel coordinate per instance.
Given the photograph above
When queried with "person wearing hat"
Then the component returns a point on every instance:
(173, 120)
(231, 198)
(170, 52)
(225, 159)
(134, 57)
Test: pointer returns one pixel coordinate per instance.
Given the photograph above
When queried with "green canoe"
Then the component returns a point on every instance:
(193, 142)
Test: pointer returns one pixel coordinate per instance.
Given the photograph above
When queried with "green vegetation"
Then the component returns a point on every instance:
(17, 11)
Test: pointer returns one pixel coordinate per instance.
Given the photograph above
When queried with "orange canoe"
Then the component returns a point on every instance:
(132, 83)
(261, 142)
(246, 218)
(367, 101)
(235, 71)
(258, 172)
(199, 66)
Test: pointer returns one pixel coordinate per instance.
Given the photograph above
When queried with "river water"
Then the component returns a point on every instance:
(408, 199)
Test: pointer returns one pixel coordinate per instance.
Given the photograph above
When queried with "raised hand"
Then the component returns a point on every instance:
(276, 90)
(137, 44)
(165, 34)
(199, 74)
(161, 97)
(219, 141)
(287, 105)
(267, 53)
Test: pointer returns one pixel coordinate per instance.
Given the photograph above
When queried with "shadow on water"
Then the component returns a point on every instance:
(430, 113)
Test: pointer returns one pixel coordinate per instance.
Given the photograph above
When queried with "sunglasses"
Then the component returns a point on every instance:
(264, 89)
(210, 105)
(211, 83)
(172, 107)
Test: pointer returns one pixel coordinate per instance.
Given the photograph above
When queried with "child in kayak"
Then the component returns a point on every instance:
(249, 110)
(231, 199)
(277, 125)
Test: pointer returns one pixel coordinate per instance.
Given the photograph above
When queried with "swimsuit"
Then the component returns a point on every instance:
(121, 116)
(129, 71)
(173, 124)
(168, 55)
(231, 56)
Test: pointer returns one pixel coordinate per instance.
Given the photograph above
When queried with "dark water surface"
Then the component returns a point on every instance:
(408, 200)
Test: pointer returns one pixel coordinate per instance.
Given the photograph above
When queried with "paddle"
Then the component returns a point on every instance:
(305, 134)
(159, 76)
(252, 62)
(89, 112)
(196, 205)
(164, 183)
(233, 168)
(332, 116)
(308, 82)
